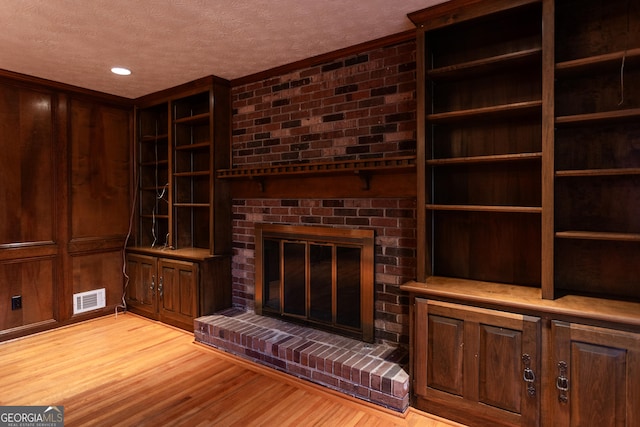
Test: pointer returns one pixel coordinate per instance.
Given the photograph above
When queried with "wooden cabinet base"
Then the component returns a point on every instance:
(514, 362)
(177, 286)
(477, 366)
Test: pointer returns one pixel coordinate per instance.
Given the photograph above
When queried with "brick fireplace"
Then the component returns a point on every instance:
(360, 106)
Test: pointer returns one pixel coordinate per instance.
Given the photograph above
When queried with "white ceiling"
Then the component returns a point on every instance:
(169, 42)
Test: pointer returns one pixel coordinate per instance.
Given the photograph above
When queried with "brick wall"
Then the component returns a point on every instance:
(358, 107)
(361, 106)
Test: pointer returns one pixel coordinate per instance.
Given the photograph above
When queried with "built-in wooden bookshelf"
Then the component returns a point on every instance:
(528, 178)
(152, 136)
(481, 158)
(597, 156)
(179, 266)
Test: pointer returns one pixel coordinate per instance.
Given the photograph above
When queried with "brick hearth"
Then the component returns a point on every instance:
(372, 372)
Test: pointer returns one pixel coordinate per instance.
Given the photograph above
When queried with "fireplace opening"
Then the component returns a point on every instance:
(319, 276)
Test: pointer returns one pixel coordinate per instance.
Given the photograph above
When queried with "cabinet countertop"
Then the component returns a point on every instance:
(528, 300)
(189, 254)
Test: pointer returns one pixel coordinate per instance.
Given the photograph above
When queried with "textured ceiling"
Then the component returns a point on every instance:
(169, 42)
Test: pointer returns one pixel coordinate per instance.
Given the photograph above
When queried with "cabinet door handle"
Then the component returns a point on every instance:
(528, 376)
(562, 382)
(152, 287)
(160, 288)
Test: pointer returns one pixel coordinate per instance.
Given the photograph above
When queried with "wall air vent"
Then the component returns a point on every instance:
(87, 301)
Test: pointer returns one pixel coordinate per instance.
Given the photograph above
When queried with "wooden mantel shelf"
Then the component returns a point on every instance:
(320, 167)
(362, 167)
(528, 300)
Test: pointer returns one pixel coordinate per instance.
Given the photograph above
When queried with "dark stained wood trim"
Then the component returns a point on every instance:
(27, 250)
(527, 300)
(17, 79)
(458, 11)
(349, 166)
(180, 91)
(96, 244)
(423, 252)
(548, 151)
(63, 291)
(325, 58)
(381, 185)
(30, 329)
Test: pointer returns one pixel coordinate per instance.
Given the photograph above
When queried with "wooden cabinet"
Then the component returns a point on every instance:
(500, 367)
(176, 290)
(528, 191)
(143, 279)
(596, 374)
(183, 210)
(477, 366)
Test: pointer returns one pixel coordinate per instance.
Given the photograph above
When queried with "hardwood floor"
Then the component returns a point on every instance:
(131, 371)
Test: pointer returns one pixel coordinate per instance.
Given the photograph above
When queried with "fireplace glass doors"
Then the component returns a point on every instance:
(322, 276)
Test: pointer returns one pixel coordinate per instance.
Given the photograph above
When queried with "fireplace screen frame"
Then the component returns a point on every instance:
(363, 239)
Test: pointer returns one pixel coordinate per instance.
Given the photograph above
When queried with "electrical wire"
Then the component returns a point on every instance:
(123, 305)
(153, 227)
(624, 57)
(159, 196)
(160, 193)
(622, 79)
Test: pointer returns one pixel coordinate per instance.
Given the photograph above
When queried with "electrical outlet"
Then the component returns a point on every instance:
(16, 302)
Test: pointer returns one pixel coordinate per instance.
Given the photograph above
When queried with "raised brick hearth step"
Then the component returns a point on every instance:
(372, 372)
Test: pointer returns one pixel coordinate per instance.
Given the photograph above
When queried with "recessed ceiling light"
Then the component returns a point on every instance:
(121, 71)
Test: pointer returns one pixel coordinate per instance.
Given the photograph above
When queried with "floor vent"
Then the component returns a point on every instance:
(87, 301)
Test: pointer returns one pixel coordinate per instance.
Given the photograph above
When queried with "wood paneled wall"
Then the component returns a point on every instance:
(99, 198)
(64, 200)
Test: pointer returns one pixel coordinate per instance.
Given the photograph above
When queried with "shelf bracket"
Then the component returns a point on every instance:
(365, 178)
(260, 182)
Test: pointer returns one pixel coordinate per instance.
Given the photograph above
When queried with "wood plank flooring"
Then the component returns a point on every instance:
(126, 370)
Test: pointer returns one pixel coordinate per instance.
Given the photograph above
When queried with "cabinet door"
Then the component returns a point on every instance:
(477, 366)
(178, 292)
(598, 376)
(142, 287)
